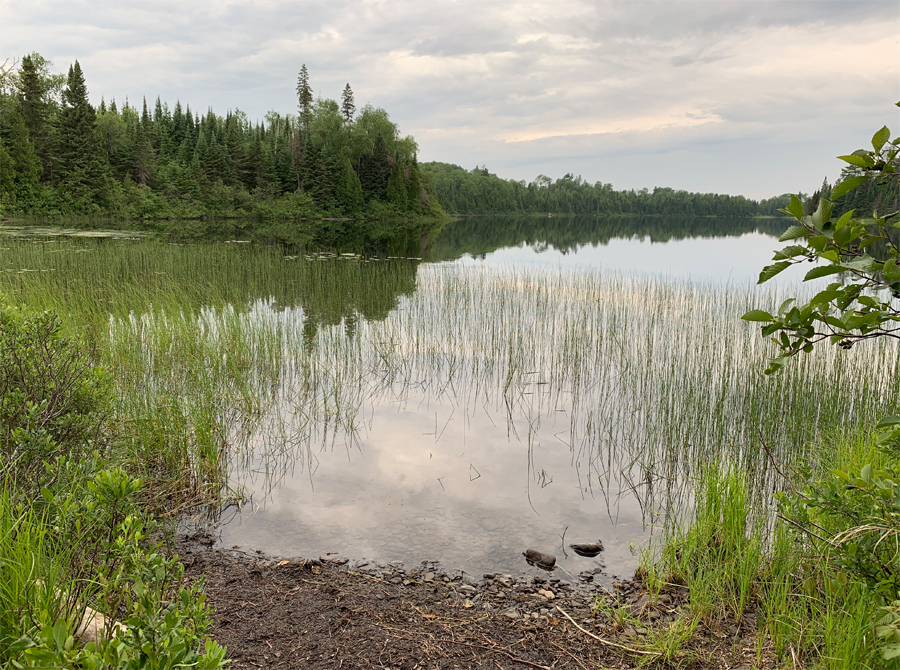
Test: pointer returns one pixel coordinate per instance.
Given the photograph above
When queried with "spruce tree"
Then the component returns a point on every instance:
(349, 191)
(305, 98)
(34, 94)
(348, 108)
(82, 168)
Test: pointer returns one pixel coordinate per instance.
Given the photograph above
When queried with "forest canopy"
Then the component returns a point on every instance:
(61, 155)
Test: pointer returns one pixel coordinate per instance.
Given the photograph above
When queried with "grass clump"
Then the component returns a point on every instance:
(816, 568)
(719, 554)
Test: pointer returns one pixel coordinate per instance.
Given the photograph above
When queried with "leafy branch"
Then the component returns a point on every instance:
(863, 304)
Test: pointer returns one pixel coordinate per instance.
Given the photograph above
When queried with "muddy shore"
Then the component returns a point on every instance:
(331, 612)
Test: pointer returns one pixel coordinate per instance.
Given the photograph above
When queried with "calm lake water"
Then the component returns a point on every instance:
(520, 382)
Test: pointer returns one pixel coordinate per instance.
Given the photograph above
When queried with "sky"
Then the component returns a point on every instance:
(754, 98)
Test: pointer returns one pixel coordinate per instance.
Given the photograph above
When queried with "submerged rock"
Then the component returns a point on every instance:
(589, 549)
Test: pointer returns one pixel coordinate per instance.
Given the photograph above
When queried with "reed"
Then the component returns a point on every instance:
(237, 352)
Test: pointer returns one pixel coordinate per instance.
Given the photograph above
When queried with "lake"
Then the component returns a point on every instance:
(520, 383)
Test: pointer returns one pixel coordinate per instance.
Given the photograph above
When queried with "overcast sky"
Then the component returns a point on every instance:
(735, 97)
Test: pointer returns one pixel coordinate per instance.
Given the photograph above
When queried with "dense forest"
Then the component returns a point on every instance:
(60, 155)
(480, 192)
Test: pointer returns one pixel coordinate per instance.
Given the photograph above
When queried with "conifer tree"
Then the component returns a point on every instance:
(305, 98)
(349, 191)
(82, 170)
(348, 108)
(397, 192)
(20, 168)
(35, 83)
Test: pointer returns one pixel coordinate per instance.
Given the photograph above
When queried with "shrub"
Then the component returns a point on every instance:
(53, 399)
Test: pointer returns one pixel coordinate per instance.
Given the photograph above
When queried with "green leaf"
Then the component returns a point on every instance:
(843, 235)
(858, 161)
(889, 421)
(818, 242)
(789, 252)
(881, 138)
(845, 219)
(758, 315)
(847, 185)
(863, 264)
(822, 215)
(783, 308)
(771, 270)
(866, 473)
(824, 297)
(795, 208)
(776, 364)
(793, 233)
(823, 271)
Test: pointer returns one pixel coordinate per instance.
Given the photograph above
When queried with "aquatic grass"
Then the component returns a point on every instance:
(239, 352)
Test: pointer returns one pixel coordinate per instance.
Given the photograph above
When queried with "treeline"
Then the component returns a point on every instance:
(478, 191)
(60, 155)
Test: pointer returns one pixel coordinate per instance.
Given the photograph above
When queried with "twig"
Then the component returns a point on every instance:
(771, 456)
(497, 651)
(806, 530)
(601, 640)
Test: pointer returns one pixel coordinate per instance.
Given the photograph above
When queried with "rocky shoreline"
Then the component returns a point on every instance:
(331, 611)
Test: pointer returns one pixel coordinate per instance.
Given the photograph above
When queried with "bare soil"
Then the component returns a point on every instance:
(295, 613)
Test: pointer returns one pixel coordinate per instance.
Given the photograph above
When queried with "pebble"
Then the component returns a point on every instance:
(428, 577)
(337, 559)
(512, 613)
(637, 606)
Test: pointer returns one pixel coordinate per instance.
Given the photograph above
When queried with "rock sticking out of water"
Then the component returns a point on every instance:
(589, 549)
(540, 559)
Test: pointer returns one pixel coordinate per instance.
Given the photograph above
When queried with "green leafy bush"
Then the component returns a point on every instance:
(53, 399)
(84, 544)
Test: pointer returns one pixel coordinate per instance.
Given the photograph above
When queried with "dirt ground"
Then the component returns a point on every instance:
(294, 613)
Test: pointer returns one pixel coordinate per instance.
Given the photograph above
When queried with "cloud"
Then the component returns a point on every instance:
(521, 86)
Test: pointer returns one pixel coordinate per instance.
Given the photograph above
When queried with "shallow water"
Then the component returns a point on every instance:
(522, 382)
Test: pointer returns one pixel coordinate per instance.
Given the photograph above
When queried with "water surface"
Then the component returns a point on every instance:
(519, 381)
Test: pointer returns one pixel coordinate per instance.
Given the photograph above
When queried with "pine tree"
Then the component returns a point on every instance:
(82, 169)
(348, 108)
(305, 98)
(143, 160)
